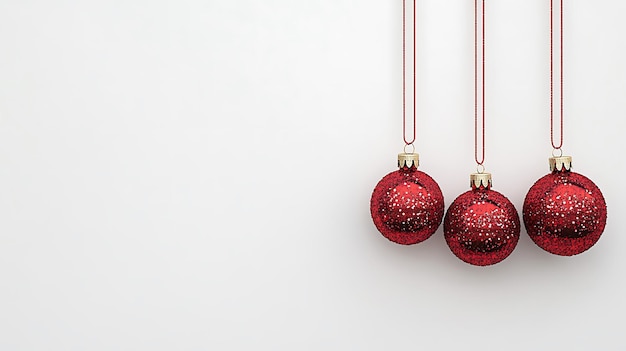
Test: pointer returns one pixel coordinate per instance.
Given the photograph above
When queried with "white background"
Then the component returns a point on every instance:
(196, 175)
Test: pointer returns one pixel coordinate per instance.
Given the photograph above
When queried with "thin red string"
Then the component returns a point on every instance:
(406, 141)
(554, 145)
(480, 160)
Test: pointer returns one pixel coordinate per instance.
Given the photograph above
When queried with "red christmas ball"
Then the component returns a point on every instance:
(564, 213)
(481, 227)
(407, 206)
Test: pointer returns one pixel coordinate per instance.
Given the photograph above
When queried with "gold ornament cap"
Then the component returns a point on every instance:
(408, 160)
(560, 163)
(480, 179)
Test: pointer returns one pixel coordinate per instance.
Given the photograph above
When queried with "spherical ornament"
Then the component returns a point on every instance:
(564, 212)
(481, 226)
(407, 205)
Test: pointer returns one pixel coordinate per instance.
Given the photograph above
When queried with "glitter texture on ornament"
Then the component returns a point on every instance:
(482, 227)
(407, 206)
(564, 213)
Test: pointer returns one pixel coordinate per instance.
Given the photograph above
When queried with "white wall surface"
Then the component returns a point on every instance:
(196, 175)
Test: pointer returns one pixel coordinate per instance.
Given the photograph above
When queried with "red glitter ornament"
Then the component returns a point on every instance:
(481, 226)
(564, 212)
(407, 205)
